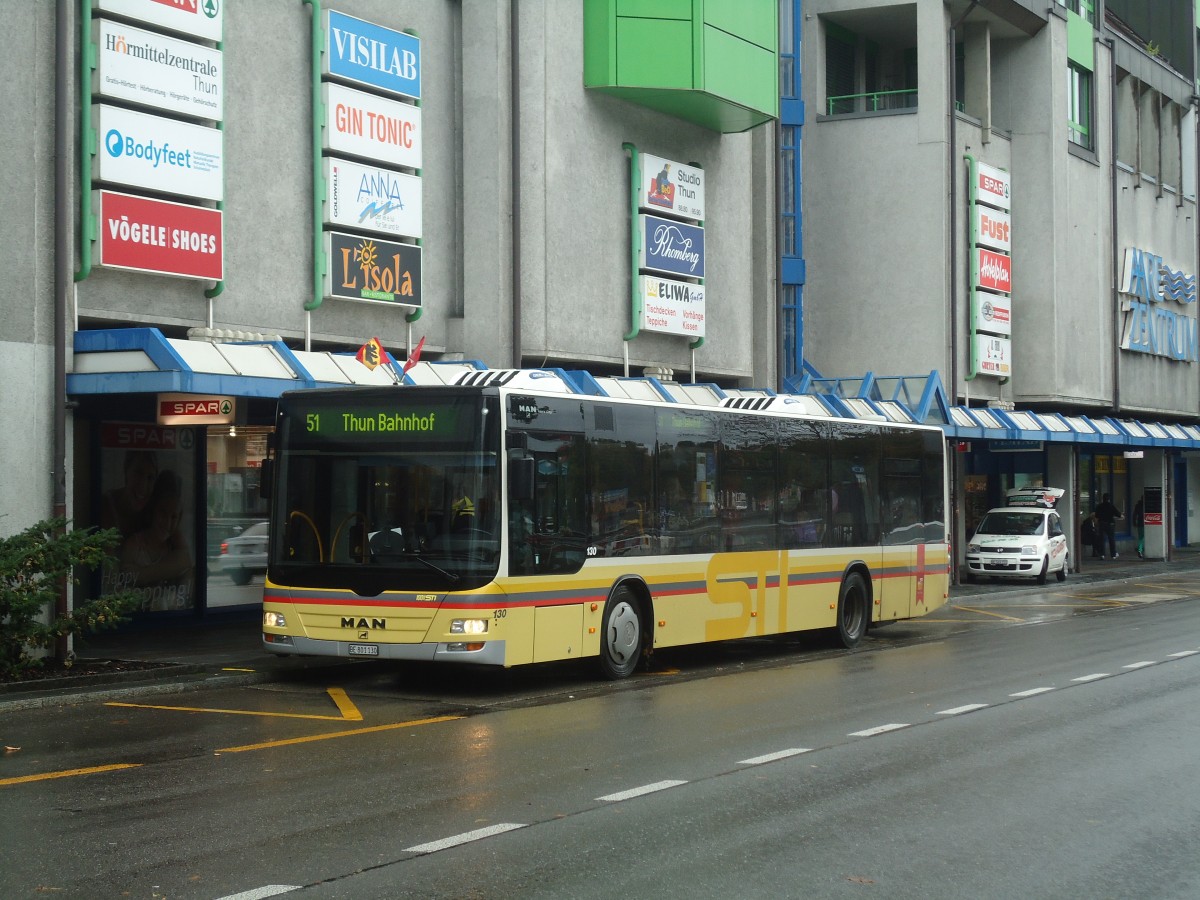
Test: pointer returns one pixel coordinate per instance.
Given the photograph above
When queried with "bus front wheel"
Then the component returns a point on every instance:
(621, 636)
(853, 611)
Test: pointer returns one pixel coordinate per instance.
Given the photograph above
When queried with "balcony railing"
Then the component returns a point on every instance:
(874, 101)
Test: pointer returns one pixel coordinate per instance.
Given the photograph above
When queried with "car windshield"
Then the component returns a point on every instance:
(1012, 522)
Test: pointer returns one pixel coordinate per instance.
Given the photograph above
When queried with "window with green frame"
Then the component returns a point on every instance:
(1083, 8)
(1079, 106)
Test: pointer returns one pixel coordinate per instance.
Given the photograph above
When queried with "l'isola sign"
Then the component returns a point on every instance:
(1159, 308)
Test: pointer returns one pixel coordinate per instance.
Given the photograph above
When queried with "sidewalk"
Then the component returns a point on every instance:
(227, 650)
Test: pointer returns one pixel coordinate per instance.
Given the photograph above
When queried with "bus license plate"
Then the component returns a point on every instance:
(364, 649)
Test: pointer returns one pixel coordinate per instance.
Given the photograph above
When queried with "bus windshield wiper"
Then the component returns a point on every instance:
(452, 577)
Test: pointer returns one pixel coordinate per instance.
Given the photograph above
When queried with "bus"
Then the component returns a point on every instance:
(509, 520)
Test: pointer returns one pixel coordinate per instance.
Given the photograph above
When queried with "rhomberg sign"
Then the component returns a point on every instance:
(372, 270)
(159, 236)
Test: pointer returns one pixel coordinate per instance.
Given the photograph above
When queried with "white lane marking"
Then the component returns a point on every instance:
(879, 729)
(639, 791)
(465, 838)
(771, 757)
(268, 890)
(1032, 692)
(959, 710)
(1139, 665)
(1095, 676)
(1183, 653)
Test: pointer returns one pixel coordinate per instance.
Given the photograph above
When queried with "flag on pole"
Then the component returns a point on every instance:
(371, 354)
(415, 356)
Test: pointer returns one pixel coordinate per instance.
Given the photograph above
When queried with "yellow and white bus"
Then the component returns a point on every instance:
(495, 523)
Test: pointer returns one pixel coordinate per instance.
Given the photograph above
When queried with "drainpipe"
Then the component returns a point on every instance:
(514, 89)
(953, 169)
(64, 279)
(1112, 223)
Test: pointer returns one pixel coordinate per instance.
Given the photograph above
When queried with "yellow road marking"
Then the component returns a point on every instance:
(348, 711)
(984, 612)
(236, 669)
(67, 773)
(371, 729)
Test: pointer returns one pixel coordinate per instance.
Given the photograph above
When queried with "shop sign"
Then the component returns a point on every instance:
(672, 307)
(993, 355)
(158, 154)
(674, 248)
(199, 18)
(371, 127)
(372, 270)
(1150, 322)
(150, 69)
(195, 409)
(159, 236)
(671, 187)
(995, 270)
(993, 228)
(1152, 519)
(1014, 446)
(993, 313)
(372, 199)
(372, 55)
(992, 186)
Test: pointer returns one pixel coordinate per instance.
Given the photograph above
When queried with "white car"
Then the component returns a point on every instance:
(1024, 539)
(244, 556)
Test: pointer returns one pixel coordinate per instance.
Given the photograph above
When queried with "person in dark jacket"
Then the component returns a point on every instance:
(1108, 514)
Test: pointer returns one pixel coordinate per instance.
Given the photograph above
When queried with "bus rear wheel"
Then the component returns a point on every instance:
(621, 635)
(853, 611)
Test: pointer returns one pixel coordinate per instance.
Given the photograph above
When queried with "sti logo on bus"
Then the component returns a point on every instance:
(369, 624)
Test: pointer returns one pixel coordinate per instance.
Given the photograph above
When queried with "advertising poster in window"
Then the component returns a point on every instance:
(147, 491)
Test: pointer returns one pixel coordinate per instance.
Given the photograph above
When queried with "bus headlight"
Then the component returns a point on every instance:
(274, 620)
(469, 626)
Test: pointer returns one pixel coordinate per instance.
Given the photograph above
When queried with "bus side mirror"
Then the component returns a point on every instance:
(266, 478)
(520, 478)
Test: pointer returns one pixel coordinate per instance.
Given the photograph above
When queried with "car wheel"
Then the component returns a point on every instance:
(240, 576)
(1041, 578)
(1061, 574)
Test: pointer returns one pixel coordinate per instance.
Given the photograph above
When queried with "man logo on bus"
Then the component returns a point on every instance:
(351, 622)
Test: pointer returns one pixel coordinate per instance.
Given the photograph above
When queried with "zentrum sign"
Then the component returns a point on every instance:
(1151, 325)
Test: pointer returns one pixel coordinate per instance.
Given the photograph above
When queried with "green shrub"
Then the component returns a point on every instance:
(33, 565)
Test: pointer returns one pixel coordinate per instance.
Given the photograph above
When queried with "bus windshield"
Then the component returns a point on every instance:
(373, 494)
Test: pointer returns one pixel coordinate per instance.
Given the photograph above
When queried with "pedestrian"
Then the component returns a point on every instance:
(1139, 522)
(1089, 533)
(1108, 514)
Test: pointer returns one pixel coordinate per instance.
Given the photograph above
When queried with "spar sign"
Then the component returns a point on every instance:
(158, 236)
